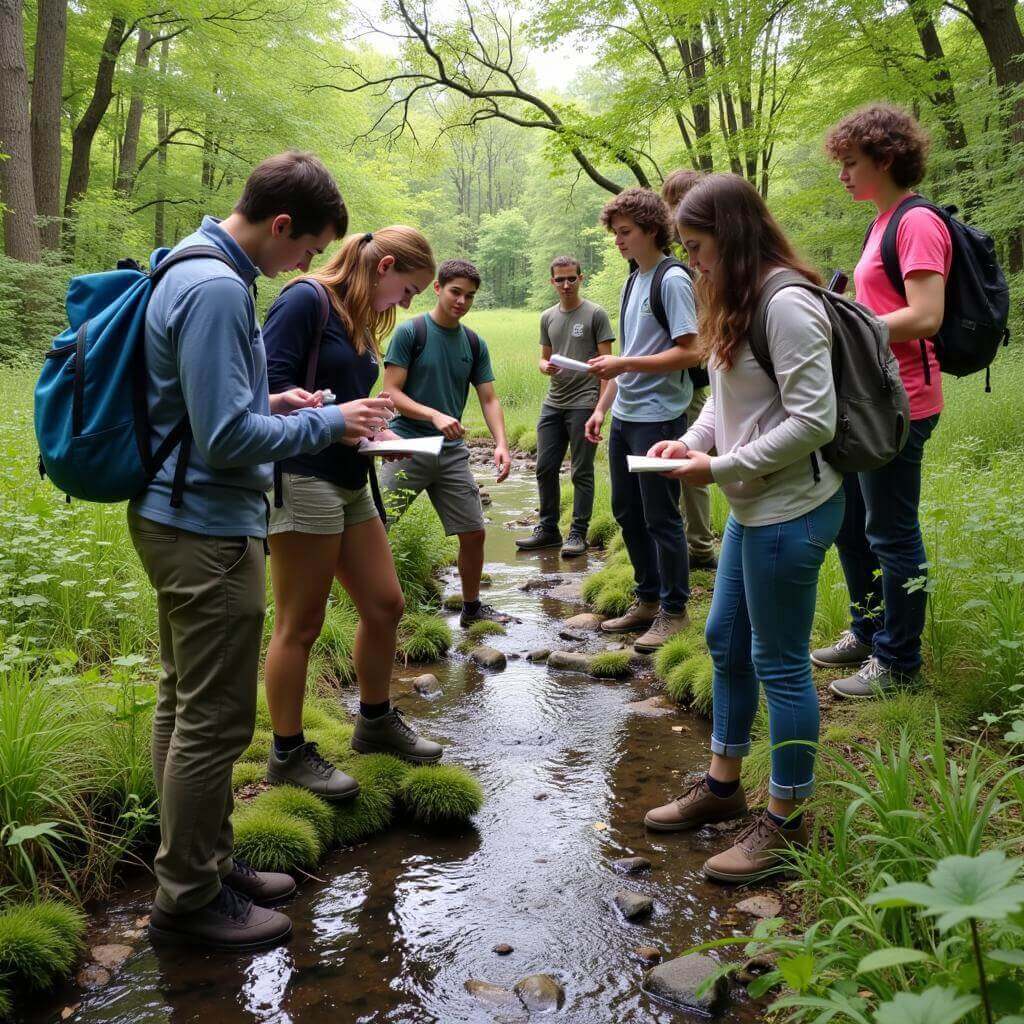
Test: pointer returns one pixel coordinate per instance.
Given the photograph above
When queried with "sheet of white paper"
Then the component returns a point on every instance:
(403, 446)
(565, 363)
(645, 464)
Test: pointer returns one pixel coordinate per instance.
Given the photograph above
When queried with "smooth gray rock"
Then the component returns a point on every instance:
(572, 637)
(541, 583)
(570, 592)
(569, 660)
(652, 707)
(492, 995)
(631, 865)
(763, 906)
(677, 982)
(427, 685)
(488, 657)
(632, 905)
(585, 620)
(540, 993)
(540, 654)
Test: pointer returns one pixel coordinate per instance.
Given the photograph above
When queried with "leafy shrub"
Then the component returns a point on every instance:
(271, 840)
(441, 795)
(300, 803)
(610, 664)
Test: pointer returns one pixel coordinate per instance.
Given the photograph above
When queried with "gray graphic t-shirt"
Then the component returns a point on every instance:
(655, 397)
(576, 335)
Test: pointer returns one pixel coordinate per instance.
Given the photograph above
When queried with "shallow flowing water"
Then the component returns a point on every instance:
(398, 925)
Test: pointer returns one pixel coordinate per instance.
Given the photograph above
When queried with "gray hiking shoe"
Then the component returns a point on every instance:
(847, 651)
(307, 768)
(873, 679)
(229, 922)
(641, 615)
(664, 627)
(264, 888)
(575, 545)
(392, 734)
(483, 611)
(540, 538)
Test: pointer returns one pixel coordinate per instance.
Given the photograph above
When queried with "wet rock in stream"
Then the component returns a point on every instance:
(632, 905)
(569, 660)
(648, 954)
(762, 906)
(585, 620)
(540, 993)
(631, 865)
(502, 949)
(677, 982)
(493, 995)
(540, 654)
(652, 707)
(571, 636)
(427, 685)
(488, 657)
(541, 583)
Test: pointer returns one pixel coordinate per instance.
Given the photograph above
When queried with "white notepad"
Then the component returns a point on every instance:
(565, 363)
(645, 464)
(403, 446)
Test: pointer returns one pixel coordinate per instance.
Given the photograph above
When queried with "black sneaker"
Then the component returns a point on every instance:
(264, 888)
(229, 922)
(482, 613)
(540, 538)
(575, 545)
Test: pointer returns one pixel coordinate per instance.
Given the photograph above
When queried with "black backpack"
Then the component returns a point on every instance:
(977, 297)
(872, 408)
(419, 343)
(698, 374)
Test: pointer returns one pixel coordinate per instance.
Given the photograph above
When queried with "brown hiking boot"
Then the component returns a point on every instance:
(759, 852)
(229, 922)
(694, 807)
(664, 627)
(641, 615)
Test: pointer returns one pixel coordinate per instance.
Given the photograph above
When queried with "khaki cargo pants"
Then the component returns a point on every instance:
(700, 538)
(211, 601)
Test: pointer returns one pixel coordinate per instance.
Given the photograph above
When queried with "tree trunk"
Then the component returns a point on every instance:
(133, 125)
(163, 119)
(21, 232)
(996, 22)
(85, 130)
(47, 79)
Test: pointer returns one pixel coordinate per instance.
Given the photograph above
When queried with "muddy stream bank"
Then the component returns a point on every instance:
(392, 930)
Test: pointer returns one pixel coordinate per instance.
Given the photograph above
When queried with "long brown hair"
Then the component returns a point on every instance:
(351, 273)
(749, 243)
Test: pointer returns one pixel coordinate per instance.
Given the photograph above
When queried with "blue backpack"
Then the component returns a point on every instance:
(91, 413)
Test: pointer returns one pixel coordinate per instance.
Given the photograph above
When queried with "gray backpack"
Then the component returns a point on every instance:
(872, 408)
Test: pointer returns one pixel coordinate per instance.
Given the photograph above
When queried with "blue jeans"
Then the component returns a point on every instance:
(646, 507)
(881, 548)
(759, 629)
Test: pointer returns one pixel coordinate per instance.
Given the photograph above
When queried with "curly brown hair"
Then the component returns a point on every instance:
(887, 134)
(677, 184)
(645, 208)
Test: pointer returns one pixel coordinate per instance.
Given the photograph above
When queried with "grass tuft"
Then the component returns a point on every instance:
(611, 664)
(423, 636)
(32, 952)
(259, 747)
(336, 641)
(300, 803)
(676, 650)
(65, 920)
(379, 771)
(441, 795)
(603, 529)
(334, 740)
(369, 813)
(610, 591)
(690, 681)
(271, 840)
(245, 773)
(485, 627)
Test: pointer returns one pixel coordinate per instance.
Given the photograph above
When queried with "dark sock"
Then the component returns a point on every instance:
(471, 606)
(374, 710)
(722, 789)
(786, 823)
(286, 744)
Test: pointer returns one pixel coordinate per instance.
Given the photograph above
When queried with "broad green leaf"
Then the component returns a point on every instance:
(797, 970)
(1014, 957)
(1005, 995)
(24, 833)
(933, 1006)
(894, 957)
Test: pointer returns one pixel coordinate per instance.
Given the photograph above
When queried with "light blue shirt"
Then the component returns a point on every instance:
(655, 397)
(205, 356)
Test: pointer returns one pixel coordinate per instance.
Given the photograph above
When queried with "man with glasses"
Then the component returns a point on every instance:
(580, 330)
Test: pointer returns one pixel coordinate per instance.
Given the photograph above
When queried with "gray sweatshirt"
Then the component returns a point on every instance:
(765, 431)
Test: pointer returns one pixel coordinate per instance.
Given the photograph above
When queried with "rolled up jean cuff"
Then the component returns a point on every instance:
(729, 749)
(801, 792)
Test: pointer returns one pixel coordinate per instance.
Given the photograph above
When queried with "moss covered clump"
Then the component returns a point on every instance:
(382, 771)
(610, 591)
(441, 795)
(370, 812)
(423, 636)
(603, 529)
(611, 664)
(245, 773)
(271, 840)
(453, 603)
(300, 803)
(259, 749)
(690, 680)
(334, 740)
(39, 943)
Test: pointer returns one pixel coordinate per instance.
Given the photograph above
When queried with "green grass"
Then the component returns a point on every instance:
(35, 952)
(273, 840)
(423, 637)
(484, 627)
(370, 812)
(379, 771)
(259, 748)
(441, 795)
(611, 664)
(300, 803)
(245, 773)
(689, 682)
(610, 591)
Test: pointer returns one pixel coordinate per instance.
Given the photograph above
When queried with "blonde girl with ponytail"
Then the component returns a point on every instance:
(324, 524)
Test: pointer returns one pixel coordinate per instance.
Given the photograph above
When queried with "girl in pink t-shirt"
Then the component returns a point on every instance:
(881, 150)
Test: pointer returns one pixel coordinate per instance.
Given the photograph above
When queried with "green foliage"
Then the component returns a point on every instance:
(334, 740)
(371, 811)
(602, 529)
(245, 773)
(272, 840)
(34, 951)
(337, 640)
(679, 648)
(300, 803)
(610, 664)
(67, 922)
(379, 771)
(610, 591)
(259, 748)
(441, 795)
(31, 307)
(690, 680)
(423, 636)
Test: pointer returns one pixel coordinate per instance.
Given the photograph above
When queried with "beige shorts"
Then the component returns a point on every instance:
(312, 505)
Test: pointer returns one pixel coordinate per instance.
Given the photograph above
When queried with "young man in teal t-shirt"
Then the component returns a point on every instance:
(430, 389)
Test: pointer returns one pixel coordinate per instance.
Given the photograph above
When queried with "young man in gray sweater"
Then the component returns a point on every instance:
(200, 531)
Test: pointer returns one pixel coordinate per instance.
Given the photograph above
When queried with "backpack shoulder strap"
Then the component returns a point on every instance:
(890, 255)
(474, 348)
(313, 359)
(657, 298)
(758, 336)
(419, 338)
(210, 252)
(626, 292)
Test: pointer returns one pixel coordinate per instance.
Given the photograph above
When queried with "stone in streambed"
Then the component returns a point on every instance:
(569, 592)
(631, 865)
(540, 654)
(92, 976)
(540, 993)
(488, 657)
(492, 995)
(427, 685)
(541, 583)
(632, 905)
(569, 660)
(677, 982)
(502, 949)
(760, 906)
(648, 954)
(110, 956)
(652, 707)
(585, 620)
(568, 634)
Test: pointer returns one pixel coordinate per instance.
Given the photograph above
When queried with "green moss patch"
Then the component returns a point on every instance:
(423, 636)
(271, 840)
(603, 529)
(245, 773)
(38, 945)
(441, 795)
(334, 740)
(259, 749)
(611, 664)
(690, 681)
(610, 591)
(300, 803)
(380, 771)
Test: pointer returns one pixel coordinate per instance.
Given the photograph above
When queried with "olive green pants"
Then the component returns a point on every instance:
(696, 506)
(211, 601)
